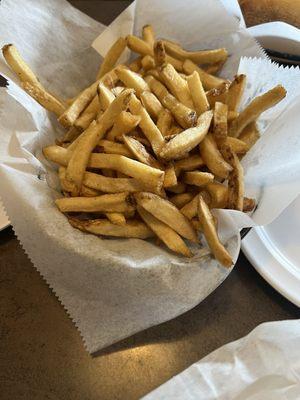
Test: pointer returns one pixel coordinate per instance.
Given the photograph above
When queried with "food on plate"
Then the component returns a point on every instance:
(152, 146)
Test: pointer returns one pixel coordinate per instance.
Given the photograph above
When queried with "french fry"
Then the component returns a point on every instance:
(213, 69)
(250, 134)
(148, 34)
(235, 179)
(190, 209)
(198, 178)
(136, 64)
(211, 235)
(132, 80)
(170, 176)
(176, 85)
(119, 202)
(71, 135)
(116, 218)
(112, 185)
(231, 115)
(159, 53)
(164, 121)
(179, 188)
(237, 145)
(117, 90)
(219, 94)
(44, 98)
(166, 212)
(213, 158)
(103, 227)
(200, 102)
(177, 64)
(109, 147)
(139, 46)
(148, 63)
(147, 125)
(174, 130)
(188, 164)
(112, 56)
(168, 236)
(220, 123)
(154, 73)
(88, 115)
(181, 199)
(124, 123)
(140, 152)
(198, 57)
(185, 116)
(187, 140)
(235, 92)
(218, 195)
(255, 108)
(248, 204)
(151, 104)
(105, 96)
(208, 81)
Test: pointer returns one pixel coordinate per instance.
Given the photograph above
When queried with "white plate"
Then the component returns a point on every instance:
(274, 251)
(4, 222)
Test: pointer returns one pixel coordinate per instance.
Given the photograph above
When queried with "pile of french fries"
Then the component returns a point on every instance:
(152, 146)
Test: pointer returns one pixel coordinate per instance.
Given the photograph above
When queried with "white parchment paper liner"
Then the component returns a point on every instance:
(111, 288)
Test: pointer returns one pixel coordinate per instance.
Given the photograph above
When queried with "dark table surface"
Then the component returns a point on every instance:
(42, 354)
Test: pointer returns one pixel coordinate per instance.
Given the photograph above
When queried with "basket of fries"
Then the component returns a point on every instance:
(139, 178)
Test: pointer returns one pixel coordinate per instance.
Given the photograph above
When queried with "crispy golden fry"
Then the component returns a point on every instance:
(220, 123)
(159, 53)
(88, 192)
(132, 80)
(124, 123)
(235, 179)
(174, 130)
(213, 69)
(213, 158)
(112, 56)
(71, 135)
(166, 212)
(66, 187)
(164, 121)
(200, 102)
(190, 209)
(107, 146)
(140, 152)
(198, 178)
(147, 125)
(198, 57)
(116, 218)
(171, 239)
(255, 108)
(112, 185)
(152, 104)
(187, 140)
(235, 92)
(179, 188)
(119, 202)
(117, 90)
(177, 64)
(88, 115)
(148, 63)
(219, 94)
(218, 195)
(237, 145)
(132, 228)
(170, 176)
(185, 116)
(188, 164)
(208, 81)
(231, 115)
(139, 46)
(181, 199)
(148, 34)
(177, 85)
(118, 105)
(154, 72)
(211, 235)
(44, 98)
(250, 134)
(248, 204)
(136, 64)
(105, 96)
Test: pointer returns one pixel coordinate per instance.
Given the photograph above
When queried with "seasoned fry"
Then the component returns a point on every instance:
(88, 115)
(148, 34)
(140, 152)
(164, 121)
(200, 102)
(166, 212)
(171, 239)
(132, 80)
(198, 57)
(255, 108)
(152, 104)
(147, 125)
(124, 123)
(198, 178)
(220, 123)
(181, 199)
(139, 46)
(107, 146)
(132, 228)
(235, 179)
(44, 98)
(235, 92)
(119, 202)
(185, 116)
(250, 134)
(187, 140)
(148, 63)
(112, 56)
(213, 158)
(188, 164)
(116, 218)
(211, 235)
(219, 94)
(170, 176)
(237, 145)
(208, 81)
(176, 85)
